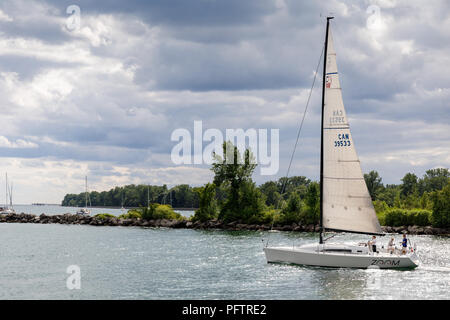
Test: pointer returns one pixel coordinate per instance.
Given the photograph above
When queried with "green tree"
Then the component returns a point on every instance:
(373, 182)
(441, 207)
(312, 201)
(292, 212)
(409, 185)
(270, 190)
(231, 172)
(434, 179)
(207, 203)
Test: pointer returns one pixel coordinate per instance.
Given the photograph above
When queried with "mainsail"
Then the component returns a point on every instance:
(346, 203)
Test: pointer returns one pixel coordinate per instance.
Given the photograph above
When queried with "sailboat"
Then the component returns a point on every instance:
(345, 203)
(7, 209)
(122, 209)
(85, 210)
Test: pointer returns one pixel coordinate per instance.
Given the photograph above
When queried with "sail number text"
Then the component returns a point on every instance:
(343, 140)
(337, 118)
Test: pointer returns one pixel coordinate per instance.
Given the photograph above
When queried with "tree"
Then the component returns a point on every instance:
(270, 190)
(389, 194)
(292, 211)
(207, 203)
(312, 201)
(232, 171)
(409, 185)
(298, 184)
(373, 182)
(434, 179)
(441, 207)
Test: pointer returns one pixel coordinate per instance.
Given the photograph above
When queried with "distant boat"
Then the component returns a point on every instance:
(345, 203)
(123, 210)
(85, 210)
(7, 209)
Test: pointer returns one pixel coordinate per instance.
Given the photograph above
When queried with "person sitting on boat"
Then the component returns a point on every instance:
(404, 244)
(373, 244)
(391, 245)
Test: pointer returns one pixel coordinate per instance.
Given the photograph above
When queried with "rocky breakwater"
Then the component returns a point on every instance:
(207, 225)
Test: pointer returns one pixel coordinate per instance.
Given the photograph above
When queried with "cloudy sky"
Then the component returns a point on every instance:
(103, 99)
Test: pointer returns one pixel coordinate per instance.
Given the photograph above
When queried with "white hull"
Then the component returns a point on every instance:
(84, 212)
(338, 256)
(7, 211)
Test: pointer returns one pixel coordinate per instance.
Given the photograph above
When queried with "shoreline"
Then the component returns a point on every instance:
(186, 224)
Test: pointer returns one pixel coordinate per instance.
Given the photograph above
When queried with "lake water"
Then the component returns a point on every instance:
(147, 263)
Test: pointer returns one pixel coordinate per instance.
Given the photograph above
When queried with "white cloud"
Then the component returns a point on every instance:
(4, 17)
(17, 144)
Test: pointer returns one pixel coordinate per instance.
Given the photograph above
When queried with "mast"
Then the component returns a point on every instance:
(86, 193)
(321, 131)
(6, 192)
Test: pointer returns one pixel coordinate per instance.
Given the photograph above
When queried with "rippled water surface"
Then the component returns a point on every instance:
(138, 263)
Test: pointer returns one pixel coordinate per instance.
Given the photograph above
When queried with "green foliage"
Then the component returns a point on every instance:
(148, 213)
(181, 196)
(165, 211)
(292, 212)
(409, 185)
(434, 180)
(233, 173)
(380, 206)
(104, 216)
(131, 214)
(441, 207)
(389, 194)
(373, 182)
(251, 202)
(312, 201)
(159, 211)
(403, 217)
(207, 203)
(271, 192)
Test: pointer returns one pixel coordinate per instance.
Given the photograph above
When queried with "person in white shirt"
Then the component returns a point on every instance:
(391, 245)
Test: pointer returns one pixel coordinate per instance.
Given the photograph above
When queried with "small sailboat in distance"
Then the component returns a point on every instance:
(85, 210)
(8, 208)
(345, 203)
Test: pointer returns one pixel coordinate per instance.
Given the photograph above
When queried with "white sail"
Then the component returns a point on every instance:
(346, 204)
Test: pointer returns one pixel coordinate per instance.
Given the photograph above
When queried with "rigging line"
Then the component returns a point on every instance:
(298, 134)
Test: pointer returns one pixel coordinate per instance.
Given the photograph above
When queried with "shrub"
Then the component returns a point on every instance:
(131, 214)
(402, 217)
(104, 216)
(165, 211)
(380, 206)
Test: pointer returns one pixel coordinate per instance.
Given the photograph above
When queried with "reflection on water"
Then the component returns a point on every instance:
(147, 263)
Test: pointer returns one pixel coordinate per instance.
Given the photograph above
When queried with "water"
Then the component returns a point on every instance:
(54, 209)
(146, 263)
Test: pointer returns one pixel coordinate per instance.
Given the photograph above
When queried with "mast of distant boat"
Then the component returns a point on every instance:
(6, 191)
(86, 193)
(321, 132)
